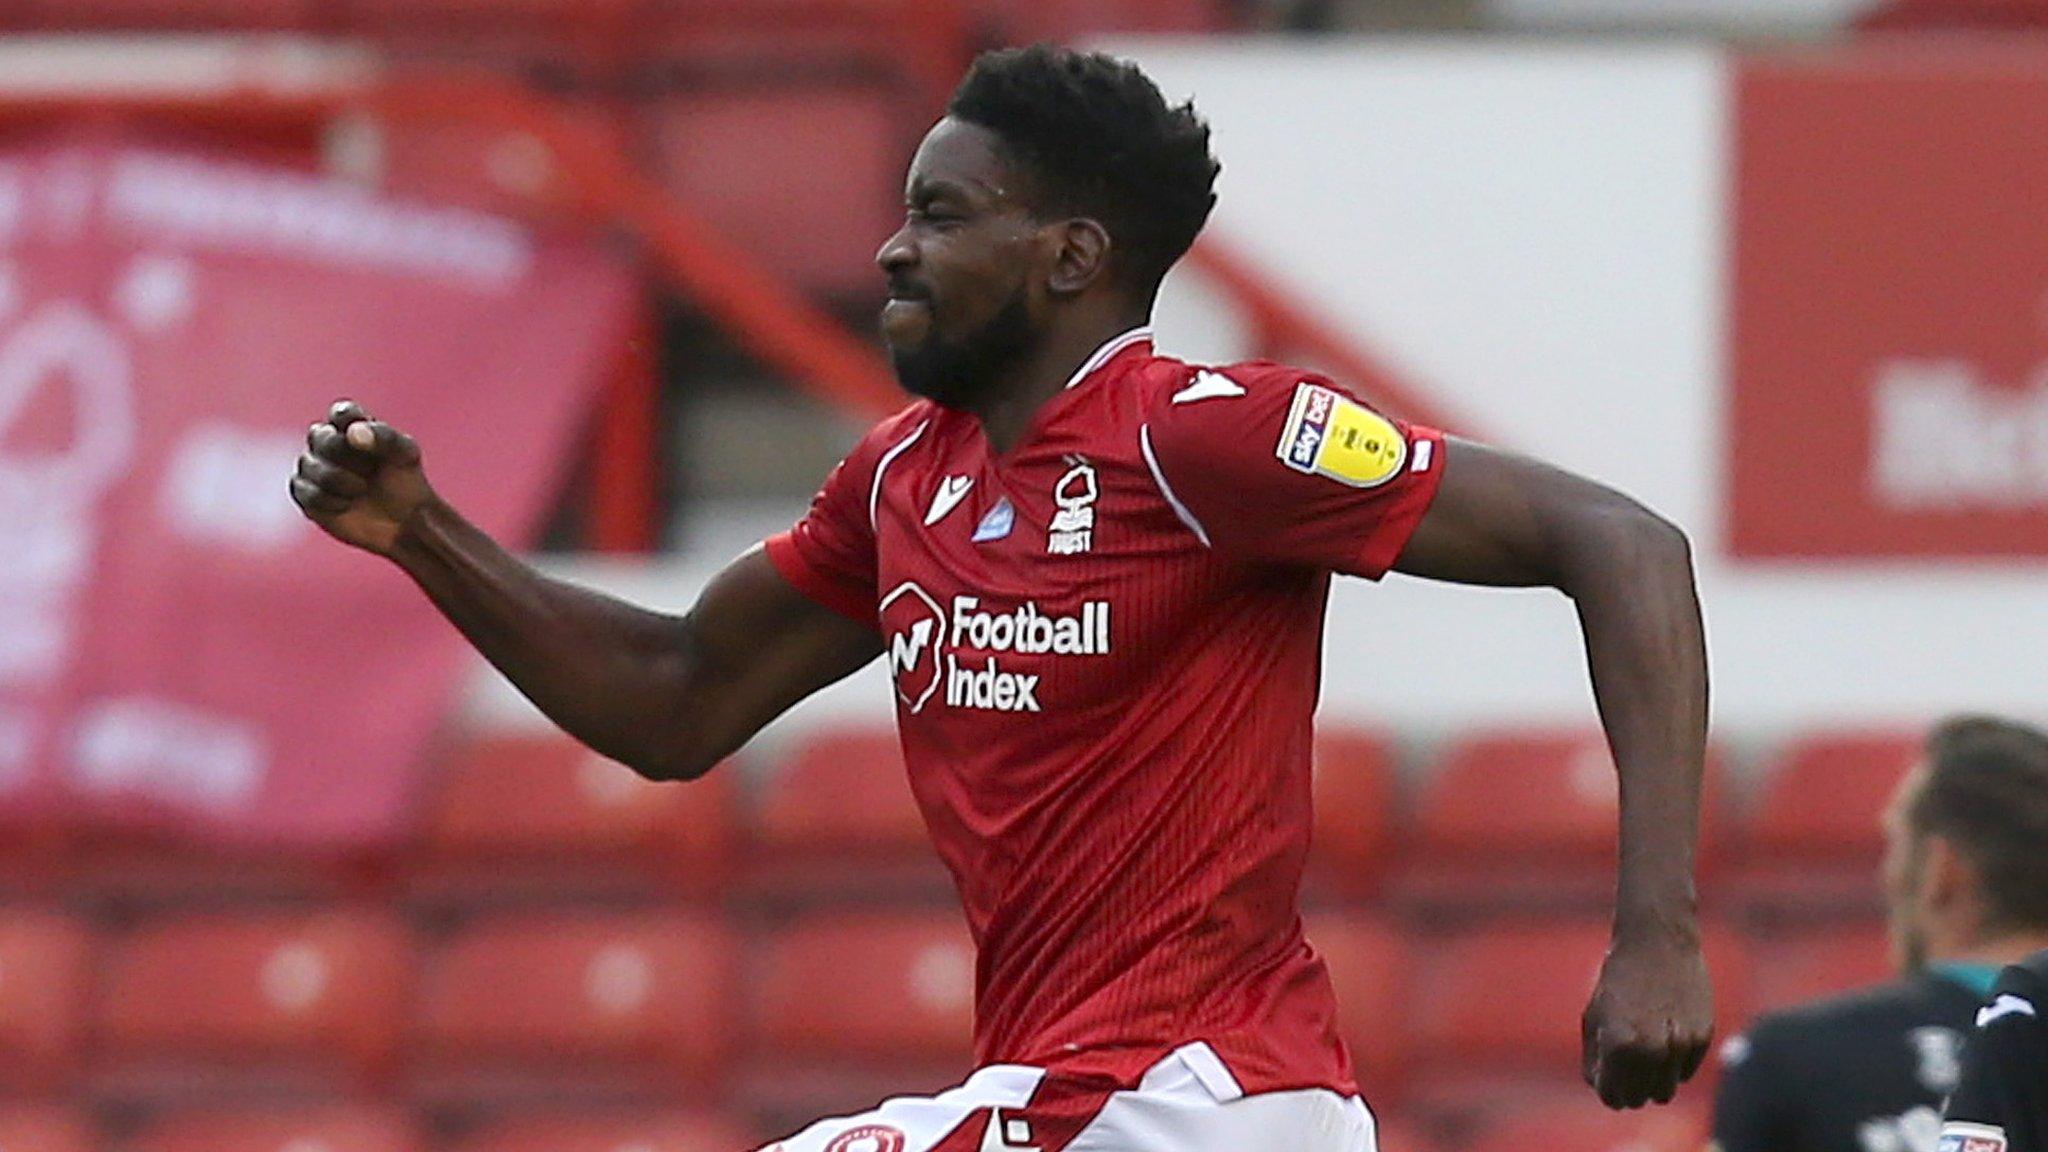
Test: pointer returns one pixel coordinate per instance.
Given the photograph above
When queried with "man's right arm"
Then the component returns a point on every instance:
(668, 696)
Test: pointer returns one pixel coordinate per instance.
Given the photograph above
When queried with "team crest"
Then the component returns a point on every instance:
(1329, 434)
(1073, 526)
(868, 1138)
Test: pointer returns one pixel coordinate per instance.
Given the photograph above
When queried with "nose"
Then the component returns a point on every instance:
(897, 252)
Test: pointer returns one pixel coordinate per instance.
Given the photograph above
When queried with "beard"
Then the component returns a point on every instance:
(954, 372)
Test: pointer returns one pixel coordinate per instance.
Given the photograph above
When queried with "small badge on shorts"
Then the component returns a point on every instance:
(1959, 1136)
(868, 1138)
(1329, 434)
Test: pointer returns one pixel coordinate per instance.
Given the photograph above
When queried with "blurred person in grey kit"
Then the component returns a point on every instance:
(1966, 880)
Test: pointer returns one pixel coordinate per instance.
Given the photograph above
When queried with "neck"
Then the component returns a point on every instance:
(1007, 411)
(1996, 951)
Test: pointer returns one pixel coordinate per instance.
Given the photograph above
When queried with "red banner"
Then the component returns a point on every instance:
(1890, 308)
(176, 640)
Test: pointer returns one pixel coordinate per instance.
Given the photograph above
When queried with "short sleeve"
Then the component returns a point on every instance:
(2001, 1105)
(1288, 467)
(1749, 1103)
(829, 555)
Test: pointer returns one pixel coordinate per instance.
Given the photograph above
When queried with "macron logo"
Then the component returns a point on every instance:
(2007, 1004)
(951, 490)
(1208, 386)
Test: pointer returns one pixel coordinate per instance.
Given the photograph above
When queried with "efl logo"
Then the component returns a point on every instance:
(868, 1138)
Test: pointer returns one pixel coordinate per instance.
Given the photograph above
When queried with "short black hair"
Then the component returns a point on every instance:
(1102, 142)
(1985, 791)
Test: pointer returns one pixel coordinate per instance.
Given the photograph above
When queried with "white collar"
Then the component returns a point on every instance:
(1142, 334)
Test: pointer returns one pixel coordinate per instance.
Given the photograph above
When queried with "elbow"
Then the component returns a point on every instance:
(1624, 537)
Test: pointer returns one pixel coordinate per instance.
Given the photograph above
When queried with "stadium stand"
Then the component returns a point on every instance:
(1581, 1125)
(1806, 963)
(1370, 961)
(1815, 836)
(1356, 813)
(516, 1008)
(536, 816)
(44, 979)
(45, 1128)
(836, 818)
(325, 1128)
(1514, 819)
(655, 1132)
(850, 1006)
(251, 1001)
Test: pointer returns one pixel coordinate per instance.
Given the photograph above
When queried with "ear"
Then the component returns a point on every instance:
(1081, 259)
(1949, 879)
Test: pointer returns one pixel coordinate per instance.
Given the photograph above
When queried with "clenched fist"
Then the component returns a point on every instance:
(360, 480)
(1650, 1021)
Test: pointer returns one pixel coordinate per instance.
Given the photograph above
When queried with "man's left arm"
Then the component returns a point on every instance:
(1505, 520)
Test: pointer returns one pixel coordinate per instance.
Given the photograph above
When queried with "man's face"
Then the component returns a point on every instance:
(1905, 868)
(963, 269)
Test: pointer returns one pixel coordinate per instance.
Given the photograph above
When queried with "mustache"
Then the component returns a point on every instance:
(906, 290)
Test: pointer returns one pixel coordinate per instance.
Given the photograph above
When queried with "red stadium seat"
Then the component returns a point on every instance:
(814, 208)
(44, 974)
(1369, 964)
(1580, 1124)
(1509, 996)
(1355, 814)
(285, 998)
(32, 1128)
(854, 1005)
(161, 15)
(837, 818)
(539, 814)
(1808, 964)
(1815, 836)
(1526, 818)
(653, 1132)
(336, 1128)
(623, 1002)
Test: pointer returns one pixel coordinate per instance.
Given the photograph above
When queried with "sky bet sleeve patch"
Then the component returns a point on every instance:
(1329, 434)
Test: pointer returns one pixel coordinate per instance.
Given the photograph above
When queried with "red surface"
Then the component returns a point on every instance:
(1903, 259)
(1356, 820)
(876, 987)
(333, 1128)
(256, 990)
(838, 814)
(821, 234)
(1370, 966)
(1810, 963)
(1582, 1125)
(540, 811)
(1825, 797)
(1508, 996)
(649, 996)
(663, 1132)
(44, 977)
(45, 1128)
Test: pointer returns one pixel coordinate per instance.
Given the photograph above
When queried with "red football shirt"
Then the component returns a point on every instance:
(1106, 647)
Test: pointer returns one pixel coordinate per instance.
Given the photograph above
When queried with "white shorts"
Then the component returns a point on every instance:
(1188, 1102)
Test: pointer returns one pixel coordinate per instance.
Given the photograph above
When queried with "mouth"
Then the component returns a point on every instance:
(907, 317)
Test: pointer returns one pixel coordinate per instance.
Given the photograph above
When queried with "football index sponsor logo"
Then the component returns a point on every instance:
(963, 649)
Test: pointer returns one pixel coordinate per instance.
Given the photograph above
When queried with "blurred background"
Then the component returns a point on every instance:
(284, 868)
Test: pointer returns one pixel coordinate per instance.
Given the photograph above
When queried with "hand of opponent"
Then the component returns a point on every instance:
(1650, 1020)
(360, 479)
